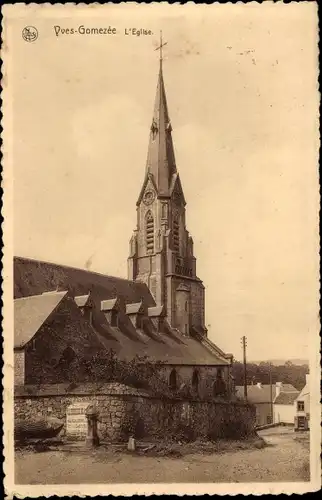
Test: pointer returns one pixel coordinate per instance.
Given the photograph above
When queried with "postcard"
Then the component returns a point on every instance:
(161, 249)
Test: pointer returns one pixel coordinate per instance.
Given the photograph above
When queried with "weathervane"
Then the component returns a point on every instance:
(160, 46)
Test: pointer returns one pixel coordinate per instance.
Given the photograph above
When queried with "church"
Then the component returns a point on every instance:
(158, 312)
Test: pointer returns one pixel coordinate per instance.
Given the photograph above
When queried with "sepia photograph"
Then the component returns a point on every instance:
(161, 249)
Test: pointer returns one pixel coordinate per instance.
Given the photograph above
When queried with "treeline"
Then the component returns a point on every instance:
(287, 373)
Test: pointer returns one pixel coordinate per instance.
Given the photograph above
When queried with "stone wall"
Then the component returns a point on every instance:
(67, 329)
(19, 367)
(198, 304)
(125, 411)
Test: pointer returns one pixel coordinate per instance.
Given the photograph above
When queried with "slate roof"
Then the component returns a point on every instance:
(262, 394)
(30, 313)
(161, 159)
(34, 277)
(169, 347)
(286, 398)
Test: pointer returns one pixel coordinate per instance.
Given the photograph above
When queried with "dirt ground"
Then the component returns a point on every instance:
(286, 458)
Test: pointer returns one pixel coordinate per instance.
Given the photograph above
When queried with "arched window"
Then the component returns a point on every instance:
(67, 356)
(176, 237)
(195, 381)
(173, 380)
(149, 232)
(219, 386)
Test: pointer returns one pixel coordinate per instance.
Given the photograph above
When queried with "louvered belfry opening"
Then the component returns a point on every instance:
(149, 232)
(176, 241)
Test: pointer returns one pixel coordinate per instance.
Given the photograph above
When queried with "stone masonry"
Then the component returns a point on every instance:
(125, 411)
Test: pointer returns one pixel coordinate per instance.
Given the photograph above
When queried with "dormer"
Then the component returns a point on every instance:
(136, 313)
(157, 314)
(86, 306)
(112, 308)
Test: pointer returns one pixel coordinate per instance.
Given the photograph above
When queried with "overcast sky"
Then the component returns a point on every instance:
(241, 89)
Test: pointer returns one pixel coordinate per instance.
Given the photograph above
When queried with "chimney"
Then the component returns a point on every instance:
(278, 388)
(259, 385)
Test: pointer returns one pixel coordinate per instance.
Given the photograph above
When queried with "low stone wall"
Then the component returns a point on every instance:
(125, 411)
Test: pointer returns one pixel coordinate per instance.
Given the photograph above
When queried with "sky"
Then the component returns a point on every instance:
(242, 97)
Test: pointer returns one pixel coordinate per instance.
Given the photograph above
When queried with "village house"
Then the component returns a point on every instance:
(273, 404)
(283, 406)
(302, 408)
(158, 312)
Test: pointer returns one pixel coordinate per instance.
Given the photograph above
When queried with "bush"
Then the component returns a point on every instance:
(139, 372)
(185, 433)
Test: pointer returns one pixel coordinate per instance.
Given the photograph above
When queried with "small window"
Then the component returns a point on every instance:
(195, 381)
(114, 318)
(186, 306)
(301, 422)
(300, 406)
(88, 314)
(33, 344)
(269, 419)
(219, 386)
(173, 380)
(139, 321)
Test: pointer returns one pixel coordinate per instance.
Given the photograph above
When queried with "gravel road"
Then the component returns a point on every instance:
(285, 459)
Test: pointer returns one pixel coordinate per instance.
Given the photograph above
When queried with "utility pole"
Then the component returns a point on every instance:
(244, 344)
(271, 392)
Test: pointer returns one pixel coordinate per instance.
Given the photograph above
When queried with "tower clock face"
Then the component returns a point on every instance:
(148, 197)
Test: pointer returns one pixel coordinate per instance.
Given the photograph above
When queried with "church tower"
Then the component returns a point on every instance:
(161, 249)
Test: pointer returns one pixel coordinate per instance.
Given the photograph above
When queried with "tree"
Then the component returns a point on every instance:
(287, 374)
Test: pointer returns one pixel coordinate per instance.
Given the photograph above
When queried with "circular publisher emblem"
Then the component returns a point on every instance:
(30, 34)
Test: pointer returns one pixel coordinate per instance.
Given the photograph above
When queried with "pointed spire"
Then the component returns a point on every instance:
(161, 160)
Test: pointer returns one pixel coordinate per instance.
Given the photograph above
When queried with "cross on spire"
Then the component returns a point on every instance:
(161, 46)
